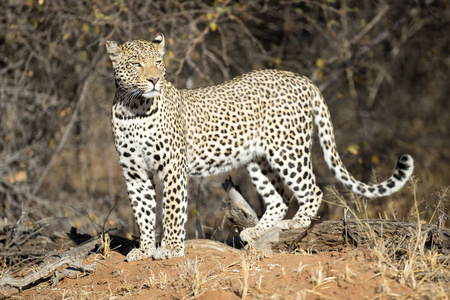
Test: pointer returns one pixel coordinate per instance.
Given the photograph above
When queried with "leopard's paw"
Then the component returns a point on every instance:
(294, 223)
(139, 253)
(168, 251)
(250, 234)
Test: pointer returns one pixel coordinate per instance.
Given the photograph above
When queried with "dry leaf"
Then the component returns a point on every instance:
(20, 176)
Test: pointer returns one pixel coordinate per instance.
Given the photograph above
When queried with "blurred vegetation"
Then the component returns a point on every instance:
(383, 67)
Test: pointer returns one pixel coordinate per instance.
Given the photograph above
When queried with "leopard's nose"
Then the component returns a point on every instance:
(153, 80)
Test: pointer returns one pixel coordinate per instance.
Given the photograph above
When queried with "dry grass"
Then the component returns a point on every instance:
(191, 277)
(245, 274)
(319, 277)
(408, 260)
(158, 281)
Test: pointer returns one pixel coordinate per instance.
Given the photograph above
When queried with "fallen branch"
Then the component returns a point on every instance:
(236, 207)
(337, 235)
(330, 236)
(11, 285)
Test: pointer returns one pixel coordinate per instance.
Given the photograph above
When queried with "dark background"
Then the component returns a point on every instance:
(383, 67)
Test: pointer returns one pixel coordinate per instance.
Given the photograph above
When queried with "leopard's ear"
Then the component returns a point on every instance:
(159, 43)
(113, 50)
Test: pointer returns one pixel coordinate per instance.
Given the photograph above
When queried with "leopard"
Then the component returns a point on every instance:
(263, 120)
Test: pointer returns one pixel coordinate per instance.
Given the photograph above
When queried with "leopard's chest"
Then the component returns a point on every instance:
(138, 141)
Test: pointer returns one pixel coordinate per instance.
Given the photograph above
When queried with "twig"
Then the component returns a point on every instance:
(371, 24)
(302, 235)
(74, 271)
(347, 232)
(12, 66)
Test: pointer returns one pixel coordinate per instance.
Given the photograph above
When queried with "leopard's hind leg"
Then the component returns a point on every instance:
(297, 173)
(269, 186)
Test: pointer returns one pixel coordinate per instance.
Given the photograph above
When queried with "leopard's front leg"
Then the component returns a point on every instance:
(174, 213)
(143, 202)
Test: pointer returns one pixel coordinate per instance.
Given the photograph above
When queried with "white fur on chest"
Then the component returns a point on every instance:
(136, 140)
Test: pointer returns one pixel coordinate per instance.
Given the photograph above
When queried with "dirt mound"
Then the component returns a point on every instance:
(211, 270)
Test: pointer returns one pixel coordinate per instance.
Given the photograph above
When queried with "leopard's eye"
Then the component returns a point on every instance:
(158, 62)
(136, 64)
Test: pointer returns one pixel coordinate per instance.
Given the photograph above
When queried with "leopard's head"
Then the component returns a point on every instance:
(139, 66)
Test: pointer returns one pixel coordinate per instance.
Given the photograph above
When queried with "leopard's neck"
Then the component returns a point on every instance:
(127, 105)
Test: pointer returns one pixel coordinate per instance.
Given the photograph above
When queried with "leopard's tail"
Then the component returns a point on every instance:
(403, 170)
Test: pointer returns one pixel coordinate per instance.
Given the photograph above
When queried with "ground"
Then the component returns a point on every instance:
(214, 271)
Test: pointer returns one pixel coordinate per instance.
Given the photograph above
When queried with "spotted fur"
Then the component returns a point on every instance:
(263, 119)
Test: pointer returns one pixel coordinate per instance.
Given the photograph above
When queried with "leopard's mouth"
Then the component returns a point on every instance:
(151, 94)
(152, 90)
(145, 92)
